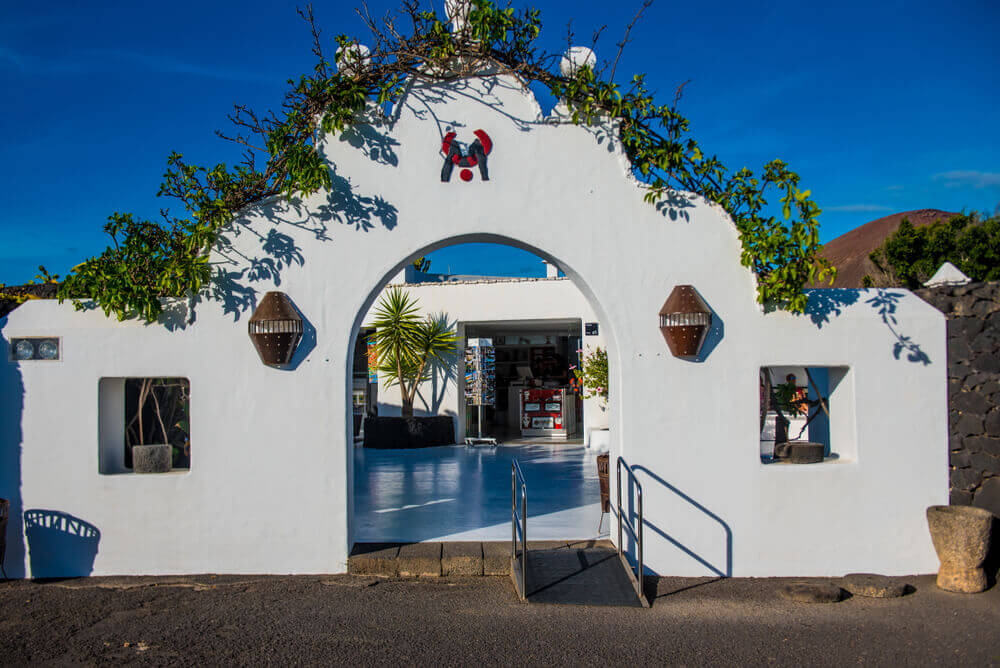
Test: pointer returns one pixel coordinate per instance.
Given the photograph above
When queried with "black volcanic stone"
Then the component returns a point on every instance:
(988, 444)
(954, 385)
(985, 290)
(973, 443)
(965, 479)
(985, 307)
(986, 363)
(971, 402)
(985, 343)
(959, 373)
(969, 424)
(992, 422)
(984, 463)
(988, 496)
(966, 328)
(959, 497)
(975, 379)
(963, 306)
(973, 315)
(960, 460)
(958, 349)
(943, 303)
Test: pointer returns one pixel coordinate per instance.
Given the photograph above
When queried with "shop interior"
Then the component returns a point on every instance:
(534, 383)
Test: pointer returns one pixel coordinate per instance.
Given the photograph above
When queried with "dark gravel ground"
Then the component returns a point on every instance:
(453, 621)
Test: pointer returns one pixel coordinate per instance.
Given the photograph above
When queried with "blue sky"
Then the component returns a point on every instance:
(880, 106)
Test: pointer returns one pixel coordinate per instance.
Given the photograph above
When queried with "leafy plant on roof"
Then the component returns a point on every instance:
(170, 258)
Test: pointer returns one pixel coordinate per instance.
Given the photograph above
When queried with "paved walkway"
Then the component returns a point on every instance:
(455, 493)
(355, 621)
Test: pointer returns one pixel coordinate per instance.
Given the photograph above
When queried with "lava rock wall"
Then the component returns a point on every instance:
(973, 313)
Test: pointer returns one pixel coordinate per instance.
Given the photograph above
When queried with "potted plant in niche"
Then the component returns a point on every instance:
(592, 375)
(785, 414)
(157, 432)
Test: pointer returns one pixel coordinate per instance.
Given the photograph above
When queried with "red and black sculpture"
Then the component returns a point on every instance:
(474, 156)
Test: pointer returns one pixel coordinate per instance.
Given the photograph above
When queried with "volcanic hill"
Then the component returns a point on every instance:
(849, 252)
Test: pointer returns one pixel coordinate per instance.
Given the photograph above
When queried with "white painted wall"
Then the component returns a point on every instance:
(270, 487)
(489, 301)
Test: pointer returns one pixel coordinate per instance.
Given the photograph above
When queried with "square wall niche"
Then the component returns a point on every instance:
(808, 403)
(143, 410)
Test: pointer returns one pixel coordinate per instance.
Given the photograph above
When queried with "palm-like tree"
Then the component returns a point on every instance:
(409, 346)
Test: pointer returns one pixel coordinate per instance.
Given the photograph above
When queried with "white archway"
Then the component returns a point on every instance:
(574, 276)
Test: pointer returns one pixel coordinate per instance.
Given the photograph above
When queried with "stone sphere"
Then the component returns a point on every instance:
(355, 58)
(575, 58)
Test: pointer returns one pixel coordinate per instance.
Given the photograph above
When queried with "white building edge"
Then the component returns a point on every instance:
(947, 274)
(270, 487)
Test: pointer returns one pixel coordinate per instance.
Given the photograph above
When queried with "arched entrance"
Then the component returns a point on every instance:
(454, 492)
(562, 192)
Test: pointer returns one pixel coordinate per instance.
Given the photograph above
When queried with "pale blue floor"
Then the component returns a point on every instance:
(459, 493)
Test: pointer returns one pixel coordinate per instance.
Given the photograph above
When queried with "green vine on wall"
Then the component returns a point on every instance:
(148, 260)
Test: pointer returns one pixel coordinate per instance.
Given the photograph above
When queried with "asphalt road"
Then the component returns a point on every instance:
(455, 621)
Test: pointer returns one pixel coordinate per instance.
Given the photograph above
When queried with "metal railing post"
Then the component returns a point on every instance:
(619, 472)
(519, 526)
(524, 540)
(636, 532)
(513, 510)
(638, 540)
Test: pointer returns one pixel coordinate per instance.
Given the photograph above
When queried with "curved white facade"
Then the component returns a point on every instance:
(269, 490)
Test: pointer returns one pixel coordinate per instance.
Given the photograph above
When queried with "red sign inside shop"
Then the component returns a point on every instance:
(542, 409)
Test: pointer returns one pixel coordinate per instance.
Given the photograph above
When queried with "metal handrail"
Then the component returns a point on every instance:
(519, 527)
(635, 532)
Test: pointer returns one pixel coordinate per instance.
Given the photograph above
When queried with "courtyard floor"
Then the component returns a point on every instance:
(456, 493)
(211, 620)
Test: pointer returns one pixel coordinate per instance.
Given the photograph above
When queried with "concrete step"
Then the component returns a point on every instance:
(451, 558)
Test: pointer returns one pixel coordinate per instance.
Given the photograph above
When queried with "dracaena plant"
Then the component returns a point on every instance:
(169, 258)
(409, 346)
